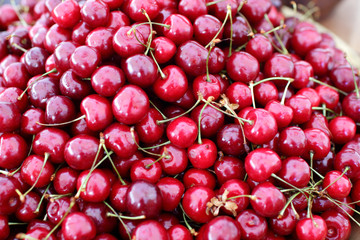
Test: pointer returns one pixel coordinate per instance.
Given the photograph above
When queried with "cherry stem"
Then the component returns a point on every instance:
(42, 199)
(144, 23)
(16, 223)
(231, 30)
(241, 5)
(251, 86)
(241, 47)
(226, 103)
(126, 217)
(19, 47)
(54, 70)
(121, 221)
(214, 2)
(309, 213)
(162, 74)
(273, 30)
(159, 145)
(272, 79)
(317, 173)
(325, 84)
(282, 180)
(199, 122)
(348, 205)
(113, 166)
(24, 236)
(139, 147)
(228, 12)
(354, 78)
(241, 196)
(192, 230)
(180, 115)
(311, 153)
(22, 196)
(324, 109)
(164, 155)
(284, 50)
(344, 210)
(61, 124)
(157, 109)
(281, 213)
(212, 45)
(14, 5)
(30, 149)
(347, 168)
(282, 102)
(151, 31)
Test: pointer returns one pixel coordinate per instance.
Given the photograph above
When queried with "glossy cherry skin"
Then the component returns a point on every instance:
(164, 49)
(306, 229)
(180, 29)
(173, 86)
(252, 225)
(227, 168)
(317, 142)
(78, 226)
(240, 94)
(98, 214)
(42, 90)
(59, 109)
(265, 92)
(171, 191)
(351, 106)
(337, 186)
(261, 163)
(292, 141)
(263, 127)
(203, 155)
(343, 129)
(80, 151)
(50, 65)
(279, 65)
(11, 95)
(268, 200)
(30, 170)
(242, 67)
(211, 120)
(27, 209)
(80, 32)
(55, 36)
(230, 139)
(97, 188)
(147, 129)
(338, 225)
(66, 14)
(126, 45)
(118, 138)
(149, 229)
(107, 80)
(95, 13)
(301, 106)
(222, 227)
(328, 96)
(65, 180)
(206, 86)
(179, 232)
(10, 158)
(4, 227)
(57, 208)
(146, 169)
(84, 61)
(62, 55)
(295, 171)
(319, 121)
(205, 29)
(117, 196)
(34, 60)
(16, 75)
(117, 20)
(199, 177)
(73, 86)
(236, 187)
(194, 203)
(260, 47)
(101, 39)
(97, 111)
(175, 160)
(144, 198)
(182, 132)
(130, 104)
(51, 141)
(9, 200)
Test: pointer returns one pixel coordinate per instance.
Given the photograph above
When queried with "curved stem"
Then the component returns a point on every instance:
(251, 86)
(151, 31)
(285, 92)
(139, 147)
(162, 74)
(61, 124)
(325, 84)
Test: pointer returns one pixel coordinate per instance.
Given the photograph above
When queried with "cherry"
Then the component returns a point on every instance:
(205, 29)
(149, 229)
(173, 86)
(59, 109)
(175, 160)
(319, 121)
(107, 80)
(242, 67)
(65, 180)
(73, 87)
(342, 129)
(62, 55)
(180, 29)
(303, 71)
(318, 143)
(314, 228)
(252, 225)
(227, 168)
(235, 188)
(348, 157)
(295, 171)
(6, 61)
(126, 44)
(207, 86)
(128, 227)
(95, 13)
(66, 14)
(328, 96)
(292, 141)
(117, 20)
(279, 65)
(105, 236)
(144, 198)
(338, 225)
(19, 38)
(81, 151)
(146, 169)
(96, 188)
(301, 107)
(342, 77)
(221, 9)
(182, 132)
(101, 39)
(42, 90)
(164, 49)
(12, 95)
(77, 225)
(351, 106)
(305, 39)
(262, 126)
(254, 11)
(34, 60)
(50, 68)
(320, 59)
(284, 224)
(98, 214)
(179, 232)
(80, 32)
(4, 227)
(230, 139)
(171, 191)
(199, 177)
(54, 36)
(326, 164)
(16, 75)
(267, 200)
(118, 196)
(222, 227)
(84, 61)
(9, 17)
(265, 92)
(10, 158)
(195, 203)
(261, 163)
(211, 119)
(37, 233)
(9, 200)
(311, 94)
(36, 171)
(203, 155)
(260, 47)
(27, 210)
(51, 141)
(336, 184)
(57, 209)
(147, 129)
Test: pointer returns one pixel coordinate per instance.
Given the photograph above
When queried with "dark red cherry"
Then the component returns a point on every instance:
(252, 225)
(199, 177)
(338, 225)
(34, 60)
(84, 61)
(171, 191)
(254, 10)
(320, 59)
(261, 163)
(221, 9)
(27, 210)
(230, 139)
(59, 109)
(73, 86)
(146, 169)
(175, 160)
(57, 208)
(311, 94)
(42, 90)
(317, 142)
(130, 104)
(126, 44)
(348, 157)
(62, 55)
(284, 224)
(279, 65)
(85, 227)
(305, 39)
(65, 180)
(227, 168)
(107, 80)
(292, 141)
(207, 86)
(205, 29)
(235, 188)
(239, 93)
(98, 214)
(101, 39)
(351, 106)
(242, 67)
(147, 129)
(4, 227)
(9, 200)
(342, 77)
(328, 96)
(180, 29)
(265, 92)
(55, 36)
(80, 151)
(97, 187)
(117, 196)
(195, 203)
(319, 121)
(202, 155)
(13, 150)
(31, 168)
(211, 120)
(95, 13)
(16, 75)
(80, 32)
(303, 71)
(260, 47)
(144, 198)
(117, 20)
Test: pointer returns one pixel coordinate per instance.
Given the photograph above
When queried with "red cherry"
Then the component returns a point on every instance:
(179, 232)
(252, 225)
(292, 141)
(328, 96)
(199, 177)
(182, 132)
(73, 86)
(207, 86)
(260, 47)
(317, 142)
(171, 191)
(84, 61)
(149, 228)
(338, 225)
(95, 13)
(236, 187)
(254, 10)
(303, 71)
(66, 14)
(242, 67)
(342, 129)
(320, 59)
(97, 188)
(211, 120)
(98, 214)
(180, 29)
(117, 20)
(9, 201)
(59, 109)
(164, 49)
(57, 208)
(265, 92)
(205, 28)
(85, 227)
(202, 155)
(13, 150)
(16, 75)
(222, 227)
(261, 163)
(107, 80)
(305, 228)
(146, 169)
(351, 106)
(101, 39)
(4, 227)
(227, 168)
(80, 32)
(126, 44)
(336, 185)
(279, 65)
(34, 60)
(175, 160)
(31, 168)
(27, 209)
(301, 107)
(195, 203)
(191, 57)
(65, 180)
(55, 36)
(295, 171)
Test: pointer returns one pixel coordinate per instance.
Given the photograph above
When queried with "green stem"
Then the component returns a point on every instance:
(337, 179)
(325, 84)
(228, 12)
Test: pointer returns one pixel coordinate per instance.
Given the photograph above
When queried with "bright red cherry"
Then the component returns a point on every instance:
(180, 29)
(95, 13)
(182, 132)
(149, 229)
(336, 185)
(97, 187)
(13, 150)
(171, 191)
(307, 229)
(31, 168)
(84, 61)
(242, 67)
(77, 225)
(66, 14)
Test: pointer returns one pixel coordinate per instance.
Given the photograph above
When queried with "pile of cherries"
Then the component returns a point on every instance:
(167, 119)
